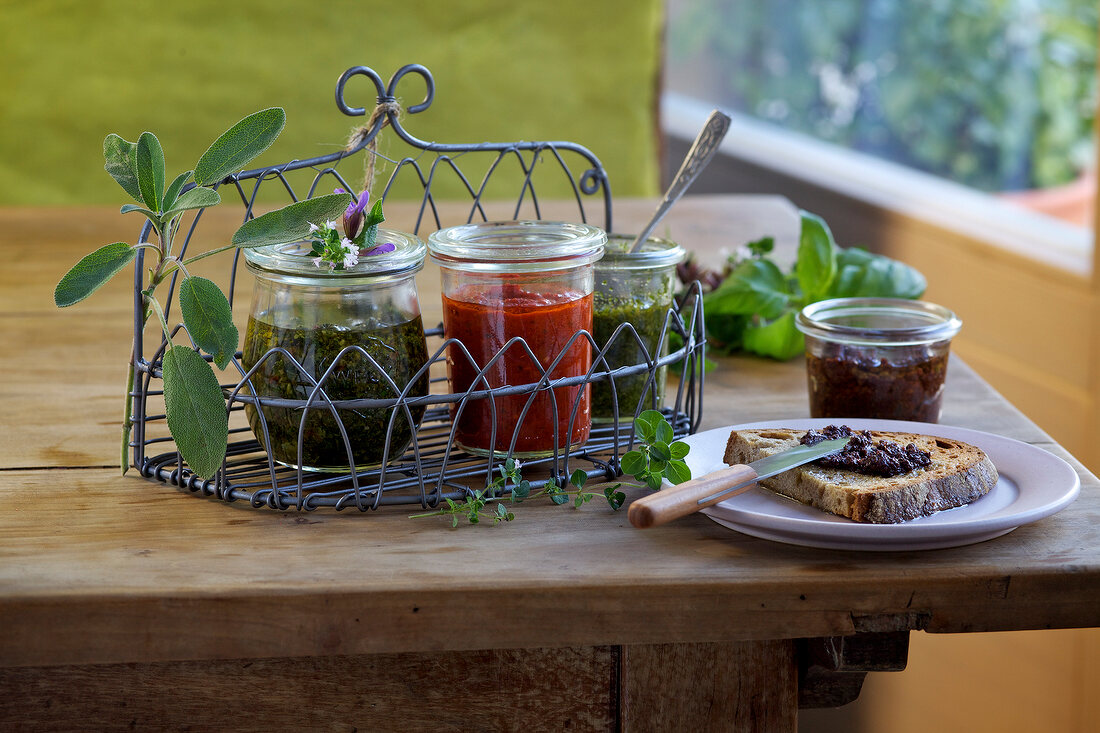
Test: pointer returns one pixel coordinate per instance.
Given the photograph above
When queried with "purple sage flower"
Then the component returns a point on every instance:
(353, 217)
(378, 249)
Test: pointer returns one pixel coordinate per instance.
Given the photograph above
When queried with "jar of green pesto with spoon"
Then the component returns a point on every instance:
(636, 289)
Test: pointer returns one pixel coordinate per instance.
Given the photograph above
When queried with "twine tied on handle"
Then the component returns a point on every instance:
(386, 106)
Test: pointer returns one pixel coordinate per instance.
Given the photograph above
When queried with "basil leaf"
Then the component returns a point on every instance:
(755, 286)
(778, 339)
(816, 265)
(863, 274)
(88, 275)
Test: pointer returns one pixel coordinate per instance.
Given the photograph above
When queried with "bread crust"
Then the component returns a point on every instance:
(959, 474)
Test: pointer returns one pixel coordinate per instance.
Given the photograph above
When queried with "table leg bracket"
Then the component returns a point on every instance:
(831, 669)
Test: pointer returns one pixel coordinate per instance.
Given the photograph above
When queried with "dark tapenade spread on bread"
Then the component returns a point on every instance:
(863, 455)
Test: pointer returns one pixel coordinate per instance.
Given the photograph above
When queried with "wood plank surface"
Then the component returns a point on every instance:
(499, 690)
(746, 689)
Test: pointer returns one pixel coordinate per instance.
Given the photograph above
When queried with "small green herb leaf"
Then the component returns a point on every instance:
(614, 498)
(677, 472)
(660, 451)
(195, 410)
(664, 432)
(120, 161)
(150, 170)
(578, 478)
(653, 481)
(195, 198)
(645, 425)
(633, 463)
(679, 449)
(92, 272)
(209, 319)
(238, 145)
(290, 223)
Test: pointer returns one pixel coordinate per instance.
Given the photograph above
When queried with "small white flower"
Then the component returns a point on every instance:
(317, 261)
(518, 464)
(330, 224)
(351, 253)
(313, 228)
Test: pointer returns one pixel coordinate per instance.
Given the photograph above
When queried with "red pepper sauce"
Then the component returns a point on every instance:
(484, 318)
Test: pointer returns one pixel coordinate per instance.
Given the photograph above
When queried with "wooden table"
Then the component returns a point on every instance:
(124, 602)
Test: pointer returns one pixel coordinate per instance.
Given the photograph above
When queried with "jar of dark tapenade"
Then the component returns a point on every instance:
(311, 324)
(877, 357)
(635, 288)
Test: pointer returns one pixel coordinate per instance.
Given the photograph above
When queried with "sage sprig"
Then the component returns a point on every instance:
(194, 404)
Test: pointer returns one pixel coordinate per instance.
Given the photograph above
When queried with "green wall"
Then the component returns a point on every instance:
(71, 72)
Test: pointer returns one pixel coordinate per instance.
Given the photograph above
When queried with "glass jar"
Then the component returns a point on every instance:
(635, 288)
(530, 280)
(877, 357)
(316, 314)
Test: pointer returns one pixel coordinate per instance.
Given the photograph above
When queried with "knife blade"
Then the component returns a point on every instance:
(691, 496)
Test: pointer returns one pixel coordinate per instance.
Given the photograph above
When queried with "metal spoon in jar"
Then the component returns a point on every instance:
(700, 153)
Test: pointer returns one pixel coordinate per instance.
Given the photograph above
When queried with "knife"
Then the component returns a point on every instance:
(691, 496)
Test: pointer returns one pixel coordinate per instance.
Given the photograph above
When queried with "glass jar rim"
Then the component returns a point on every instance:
(878, 321)
(655, 253)
(517, 246)
(294, 258)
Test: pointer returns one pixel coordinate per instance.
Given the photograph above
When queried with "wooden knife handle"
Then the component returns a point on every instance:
(679, 501)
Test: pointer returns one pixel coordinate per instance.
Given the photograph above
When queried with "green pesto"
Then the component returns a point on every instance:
(648, 319)
(399, 349)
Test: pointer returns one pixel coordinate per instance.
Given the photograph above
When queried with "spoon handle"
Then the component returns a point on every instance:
(700, 153)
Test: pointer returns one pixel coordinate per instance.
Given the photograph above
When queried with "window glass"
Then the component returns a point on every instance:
(998, 95)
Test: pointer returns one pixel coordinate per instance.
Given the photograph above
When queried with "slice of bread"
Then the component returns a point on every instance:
(959, 474)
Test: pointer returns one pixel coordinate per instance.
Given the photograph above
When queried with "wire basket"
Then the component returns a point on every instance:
(431, 470)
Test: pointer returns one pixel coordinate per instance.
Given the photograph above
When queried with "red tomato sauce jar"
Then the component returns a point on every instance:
(516, 294)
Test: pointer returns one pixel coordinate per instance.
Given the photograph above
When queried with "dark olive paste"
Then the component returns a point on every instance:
(863, 455)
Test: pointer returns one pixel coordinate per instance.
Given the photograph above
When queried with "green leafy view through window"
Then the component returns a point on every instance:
(995, 94)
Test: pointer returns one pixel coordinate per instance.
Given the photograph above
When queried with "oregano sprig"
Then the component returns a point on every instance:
(194, 404)
(659, 456)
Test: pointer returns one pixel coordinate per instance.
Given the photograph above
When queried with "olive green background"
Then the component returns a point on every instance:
(72, 72)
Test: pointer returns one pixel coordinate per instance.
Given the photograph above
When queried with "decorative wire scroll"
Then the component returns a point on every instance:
(432, 469)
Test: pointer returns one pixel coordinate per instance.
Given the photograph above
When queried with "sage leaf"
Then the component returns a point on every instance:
(209, 319)
(92, 272)
(816, 265)
(778, 339)
(238, 145)
(150, 170)
(290, 223)
(120, 161)
(152, 215)
(173, 190)
(196, 410)
(195, 198)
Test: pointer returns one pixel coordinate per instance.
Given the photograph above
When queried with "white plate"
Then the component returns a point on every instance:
(1033, 484)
